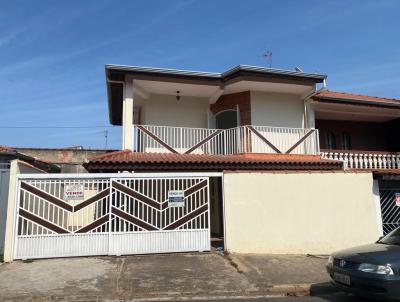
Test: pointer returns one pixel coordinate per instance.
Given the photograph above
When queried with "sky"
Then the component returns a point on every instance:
(52, 53)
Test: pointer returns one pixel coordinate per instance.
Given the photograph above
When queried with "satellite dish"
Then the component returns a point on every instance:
(298, 69)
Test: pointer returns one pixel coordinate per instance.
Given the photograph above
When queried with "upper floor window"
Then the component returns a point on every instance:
(330, 140)
(346, 141)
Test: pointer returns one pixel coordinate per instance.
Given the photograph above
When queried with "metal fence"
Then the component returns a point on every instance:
(244, 139)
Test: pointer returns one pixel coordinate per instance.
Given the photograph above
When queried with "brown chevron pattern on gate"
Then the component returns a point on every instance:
(42, 222)
(61, 203)
(160, 207)
(59, 230)
(151, 202)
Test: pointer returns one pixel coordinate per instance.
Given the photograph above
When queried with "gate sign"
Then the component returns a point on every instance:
(397, 199)
(176, 199)
(73, 192)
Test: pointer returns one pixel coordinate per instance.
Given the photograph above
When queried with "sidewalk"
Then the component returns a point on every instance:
(170, 276)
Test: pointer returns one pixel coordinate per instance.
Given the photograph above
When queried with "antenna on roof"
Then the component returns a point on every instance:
(297, 68)
(105, 132)
(268, 56)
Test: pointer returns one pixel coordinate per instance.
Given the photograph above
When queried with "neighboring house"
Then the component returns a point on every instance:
(37, 160)
(11, 160)
(265, 160)
(69, 160)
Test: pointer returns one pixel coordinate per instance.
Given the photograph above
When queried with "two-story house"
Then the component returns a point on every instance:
(256, 160)
(301, 164)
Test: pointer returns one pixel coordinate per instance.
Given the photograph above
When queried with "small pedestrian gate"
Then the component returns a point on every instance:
(91, 215)
(390, 208)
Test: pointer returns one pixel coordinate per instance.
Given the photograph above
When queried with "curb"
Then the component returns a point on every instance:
(302, 289)
(281, 290)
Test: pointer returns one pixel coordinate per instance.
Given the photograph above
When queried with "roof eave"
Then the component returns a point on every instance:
(117, 73)
(355, 102)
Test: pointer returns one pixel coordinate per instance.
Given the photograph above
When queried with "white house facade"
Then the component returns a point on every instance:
(255, 160)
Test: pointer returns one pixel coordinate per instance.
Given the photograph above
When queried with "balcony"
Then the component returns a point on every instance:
(374, 160)
(244, 139)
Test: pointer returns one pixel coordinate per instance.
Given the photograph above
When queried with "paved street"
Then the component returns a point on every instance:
(208, 276)
(336, 297)
(172, 276)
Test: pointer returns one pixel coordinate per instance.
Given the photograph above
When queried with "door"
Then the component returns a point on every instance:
(227, 119)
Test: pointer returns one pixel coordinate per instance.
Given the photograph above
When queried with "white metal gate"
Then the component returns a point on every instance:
(389, 209)
(112, 215)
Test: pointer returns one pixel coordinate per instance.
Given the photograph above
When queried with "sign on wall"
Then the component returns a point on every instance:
(74, 192)
(397, 199)
(176, 199)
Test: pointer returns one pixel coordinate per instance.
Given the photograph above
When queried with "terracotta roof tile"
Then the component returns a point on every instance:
(345, 96)
(135, 160)
(5, 148)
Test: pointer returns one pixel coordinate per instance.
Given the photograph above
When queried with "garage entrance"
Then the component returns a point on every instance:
(115, 214)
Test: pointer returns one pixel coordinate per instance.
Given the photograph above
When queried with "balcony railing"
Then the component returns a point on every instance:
(244, 139)
(364, 159)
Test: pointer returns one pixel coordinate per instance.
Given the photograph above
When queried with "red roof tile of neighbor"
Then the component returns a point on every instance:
(352, 97)
(129, 160)
(5, 148)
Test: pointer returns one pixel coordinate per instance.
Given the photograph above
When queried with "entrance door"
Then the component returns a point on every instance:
(227, 119)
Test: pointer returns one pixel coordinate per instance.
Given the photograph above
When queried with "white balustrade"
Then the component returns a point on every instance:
(365, 160)
(244, 139)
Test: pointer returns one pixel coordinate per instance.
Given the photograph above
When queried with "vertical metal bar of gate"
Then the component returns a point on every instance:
(16, 224)
(110, 194)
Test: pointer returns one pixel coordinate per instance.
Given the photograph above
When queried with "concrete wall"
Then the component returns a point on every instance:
(69, 160)
(17, 167)
(299, 213)
(277, 109)
(165, 110)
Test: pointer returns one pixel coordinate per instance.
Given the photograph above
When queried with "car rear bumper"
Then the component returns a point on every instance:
(379, 288)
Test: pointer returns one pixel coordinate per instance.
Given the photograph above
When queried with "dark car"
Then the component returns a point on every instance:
(371, 270)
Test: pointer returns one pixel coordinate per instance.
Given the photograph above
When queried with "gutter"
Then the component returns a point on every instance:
(216, 76)
(356, 102)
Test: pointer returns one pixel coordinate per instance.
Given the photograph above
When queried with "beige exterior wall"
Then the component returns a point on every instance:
(17, 167)
(165, 110)
(277, 110)
(299, 213)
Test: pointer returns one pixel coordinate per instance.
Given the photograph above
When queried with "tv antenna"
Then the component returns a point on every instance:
(105, 132)
(268, 57)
